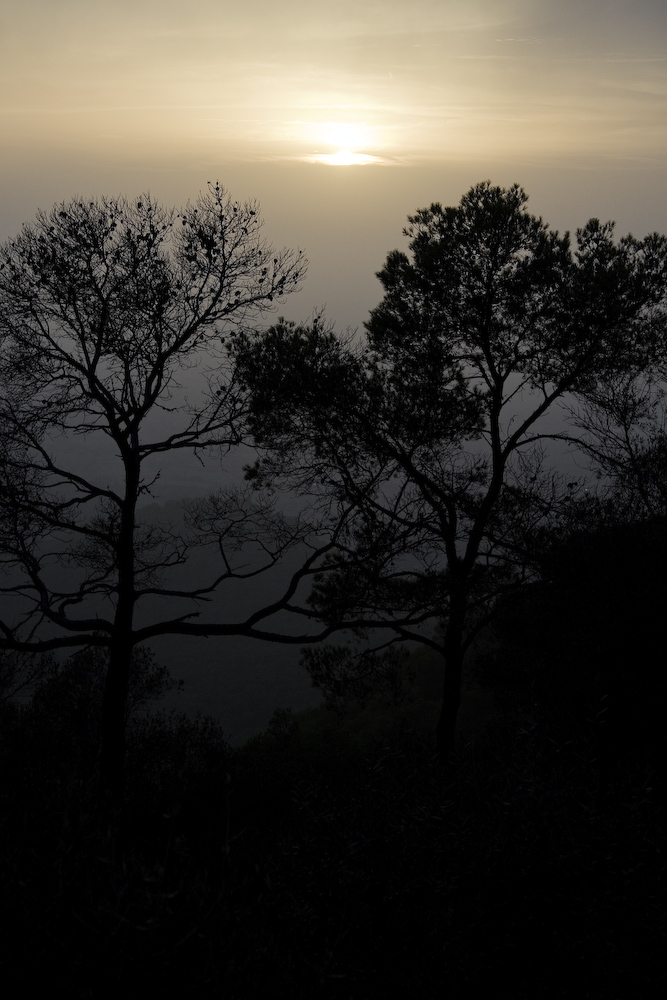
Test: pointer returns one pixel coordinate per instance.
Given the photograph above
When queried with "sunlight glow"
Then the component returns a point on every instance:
(346, 142)
(344, 158)
(349, 136)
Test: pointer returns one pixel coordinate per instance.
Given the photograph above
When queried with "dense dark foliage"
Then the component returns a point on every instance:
(582, 649)
(332, 855)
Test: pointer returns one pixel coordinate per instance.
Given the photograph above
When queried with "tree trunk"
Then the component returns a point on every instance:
(451, 695)
(114, 702)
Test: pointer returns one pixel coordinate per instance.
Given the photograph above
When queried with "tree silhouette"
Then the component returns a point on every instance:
(105, 307)
(434, 426)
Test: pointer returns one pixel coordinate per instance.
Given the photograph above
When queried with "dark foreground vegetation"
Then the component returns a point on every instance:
(334, 856)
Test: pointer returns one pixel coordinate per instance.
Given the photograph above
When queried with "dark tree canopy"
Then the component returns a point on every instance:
(433, 427)
(579, 650)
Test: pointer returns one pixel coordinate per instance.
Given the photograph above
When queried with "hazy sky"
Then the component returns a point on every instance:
(425, 97)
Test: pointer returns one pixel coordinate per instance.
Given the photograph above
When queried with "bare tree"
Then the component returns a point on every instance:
(107, 307)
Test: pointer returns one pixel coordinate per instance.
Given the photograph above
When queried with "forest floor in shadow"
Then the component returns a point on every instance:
(331, 856)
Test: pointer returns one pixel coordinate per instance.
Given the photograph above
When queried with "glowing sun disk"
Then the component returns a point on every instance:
(345, 158)
(346, 136)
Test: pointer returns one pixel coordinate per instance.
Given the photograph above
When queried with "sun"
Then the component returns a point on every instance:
(349, 136)
(345, 158)
(347, 143)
